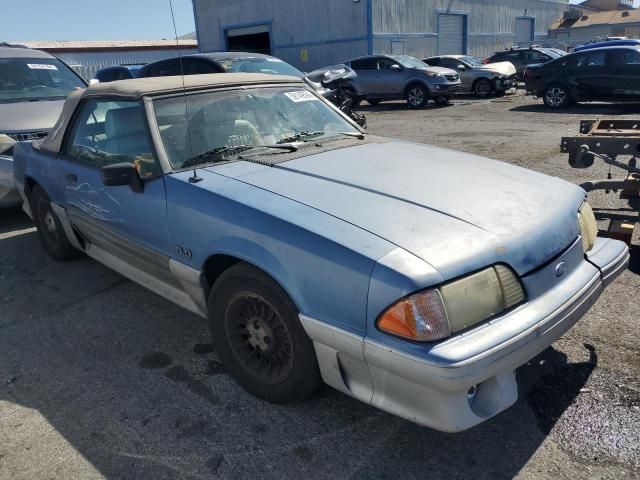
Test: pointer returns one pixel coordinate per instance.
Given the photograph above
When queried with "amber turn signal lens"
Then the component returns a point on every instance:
(420, 317)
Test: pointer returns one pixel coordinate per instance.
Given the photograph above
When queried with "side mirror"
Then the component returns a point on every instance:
(120, 174)
(395, 67)
(461, 67)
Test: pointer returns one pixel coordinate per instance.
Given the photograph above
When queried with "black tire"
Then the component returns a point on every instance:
(50, 230)
(259, 338)
(373, 102)
(482, 88)
(557, 96)
(417, 95)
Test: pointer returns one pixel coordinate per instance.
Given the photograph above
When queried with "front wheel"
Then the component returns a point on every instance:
(417, 96)
(557, 96)
(50, 230)
(482, 88)
(259, 338)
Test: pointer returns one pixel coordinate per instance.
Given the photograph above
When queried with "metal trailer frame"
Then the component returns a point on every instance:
(607, 140)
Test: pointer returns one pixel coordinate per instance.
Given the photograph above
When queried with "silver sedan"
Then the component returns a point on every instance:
(480, 79)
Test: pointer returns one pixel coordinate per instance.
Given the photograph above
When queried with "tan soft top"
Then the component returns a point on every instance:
(140, 87)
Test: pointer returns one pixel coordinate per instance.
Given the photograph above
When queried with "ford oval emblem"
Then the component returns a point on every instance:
(561, 268)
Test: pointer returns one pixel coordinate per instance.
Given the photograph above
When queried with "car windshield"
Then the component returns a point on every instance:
(409, 62)
(272, 66)
(32, 79)
(475, 61)
(223, 125)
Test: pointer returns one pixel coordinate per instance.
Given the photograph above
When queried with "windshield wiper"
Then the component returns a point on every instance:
(308, 134)
(222, 153)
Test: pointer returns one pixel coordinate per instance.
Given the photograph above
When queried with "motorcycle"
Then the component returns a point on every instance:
(337, 79)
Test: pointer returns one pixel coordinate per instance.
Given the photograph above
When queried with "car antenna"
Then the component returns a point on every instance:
(195, 178)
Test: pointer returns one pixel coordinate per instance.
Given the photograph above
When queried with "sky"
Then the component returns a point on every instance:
(94, 19)
(98, 19)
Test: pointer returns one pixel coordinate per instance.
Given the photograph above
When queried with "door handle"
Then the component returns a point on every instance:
(71, 178)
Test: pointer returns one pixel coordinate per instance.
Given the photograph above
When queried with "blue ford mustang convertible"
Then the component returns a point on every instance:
(413, 278)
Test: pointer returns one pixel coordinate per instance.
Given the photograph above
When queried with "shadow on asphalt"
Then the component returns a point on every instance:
(587, 109)
(13, 219)
(131, 382)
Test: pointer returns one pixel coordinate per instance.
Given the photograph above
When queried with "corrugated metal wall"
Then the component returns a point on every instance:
(87, 63)
(328, 30)
(334, 30)
(491, 23)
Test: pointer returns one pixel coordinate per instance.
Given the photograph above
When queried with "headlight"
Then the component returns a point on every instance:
(435, 314)
(433, 75)
(588, 226)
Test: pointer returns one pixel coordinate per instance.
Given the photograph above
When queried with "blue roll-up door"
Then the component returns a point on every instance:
(450, 34)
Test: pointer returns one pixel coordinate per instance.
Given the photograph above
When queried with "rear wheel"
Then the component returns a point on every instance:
(482, 88)
(259, 337)
(557, 96)
(417, 96)
(50, 230)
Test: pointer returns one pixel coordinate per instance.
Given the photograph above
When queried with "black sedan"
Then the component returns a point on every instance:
(602, 74)
(522, 57)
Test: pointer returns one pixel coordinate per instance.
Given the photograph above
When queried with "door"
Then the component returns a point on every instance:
(592, 77)
(256, 39)
(389, 81)
(129, 225)
(367, 70)
(524, 31)
(625, 67)
(467, 75)
(451, 34)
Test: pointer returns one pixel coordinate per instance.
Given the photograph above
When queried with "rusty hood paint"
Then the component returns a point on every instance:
(456, 211)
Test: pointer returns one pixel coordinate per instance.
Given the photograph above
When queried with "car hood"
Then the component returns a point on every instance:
(503, 68)
(29, 116)
(456, 211)
(444, 71)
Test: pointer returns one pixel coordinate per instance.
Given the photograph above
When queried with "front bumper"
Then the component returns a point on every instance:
(504, 84)
(445, 88)
(9, 196)
(432, 389)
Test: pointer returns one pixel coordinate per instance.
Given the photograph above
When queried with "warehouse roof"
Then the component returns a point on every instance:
(61, 46)
(599, 18)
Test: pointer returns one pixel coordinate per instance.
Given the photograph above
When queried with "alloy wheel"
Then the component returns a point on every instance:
(556, 96)
(415, 96)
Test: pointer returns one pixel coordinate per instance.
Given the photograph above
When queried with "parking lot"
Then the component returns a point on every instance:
(102, 378)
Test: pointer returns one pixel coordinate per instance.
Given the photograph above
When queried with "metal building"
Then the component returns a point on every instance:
(86, 57)
(311, 34)
(582, 26)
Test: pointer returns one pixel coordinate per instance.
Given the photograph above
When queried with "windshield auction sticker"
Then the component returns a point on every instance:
(300, 96)
(41, 66)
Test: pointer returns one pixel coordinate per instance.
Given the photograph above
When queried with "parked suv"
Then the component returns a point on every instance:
(608, 74)
(521, 57)
(396, 77)
(33, 87)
